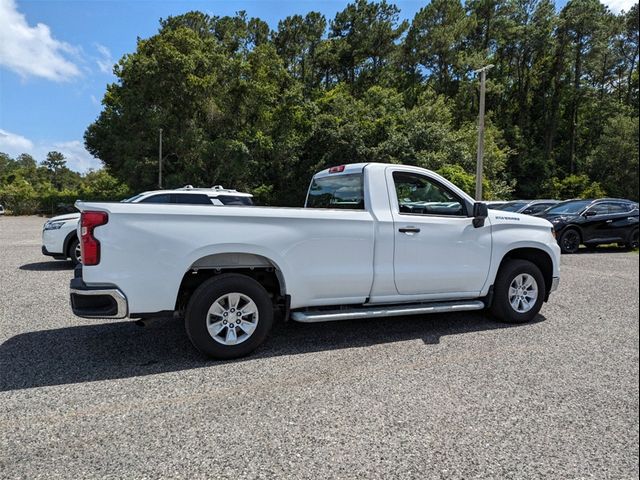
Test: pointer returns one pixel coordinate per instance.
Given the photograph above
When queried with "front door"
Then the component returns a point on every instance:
(601, 224)
(437, 249)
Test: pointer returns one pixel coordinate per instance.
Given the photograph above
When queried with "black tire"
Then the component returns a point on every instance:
(203, 298)
(71, 251)
(501, 306)
(633, 239)
(570, 241)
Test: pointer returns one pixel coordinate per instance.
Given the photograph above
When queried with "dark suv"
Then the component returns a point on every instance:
(594, 222)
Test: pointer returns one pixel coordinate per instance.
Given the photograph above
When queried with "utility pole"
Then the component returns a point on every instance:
(479, 167)
(160, 161)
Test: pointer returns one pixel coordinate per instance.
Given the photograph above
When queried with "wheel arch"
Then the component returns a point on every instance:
(574, 227)
(539, 258)
(262, 269)
(67, 242)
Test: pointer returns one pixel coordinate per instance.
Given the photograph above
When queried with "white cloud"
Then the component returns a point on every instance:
(617, 5)
(105, 62)
(32, 51)
(77, 157)
(14, 144)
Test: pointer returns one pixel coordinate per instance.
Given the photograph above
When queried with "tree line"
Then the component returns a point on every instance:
(28, 187)
(261, 110)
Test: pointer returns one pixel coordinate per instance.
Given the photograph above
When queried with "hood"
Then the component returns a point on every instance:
(65, 218)
(556, 218)
(499, 217)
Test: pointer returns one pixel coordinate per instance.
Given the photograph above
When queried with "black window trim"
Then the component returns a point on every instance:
(462, 201)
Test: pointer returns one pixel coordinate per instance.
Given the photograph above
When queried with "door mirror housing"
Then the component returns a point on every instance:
(480, 213)
(589, 213)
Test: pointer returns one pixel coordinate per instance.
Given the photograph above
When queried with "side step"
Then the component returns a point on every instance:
(312, 316)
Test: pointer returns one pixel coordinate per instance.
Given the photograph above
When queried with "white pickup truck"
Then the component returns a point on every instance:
(374, 240)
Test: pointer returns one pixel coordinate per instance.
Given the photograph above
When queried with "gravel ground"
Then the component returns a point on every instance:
(455, 396)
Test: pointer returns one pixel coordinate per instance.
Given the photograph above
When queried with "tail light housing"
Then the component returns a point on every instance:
(89, 245)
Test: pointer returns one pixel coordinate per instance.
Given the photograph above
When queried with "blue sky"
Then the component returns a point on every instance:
(56, 59)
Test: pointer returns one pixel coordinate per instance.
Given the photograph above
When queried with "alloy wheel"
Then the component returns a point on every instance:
(232, 318)
(523, 293)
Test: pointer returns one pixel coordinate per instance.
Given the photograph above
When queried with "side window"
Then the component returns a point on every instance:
(420, 195)
(618, 208)
(191, 199)
(600, 209)
(160, 198)
(539, 207)
(235, 200)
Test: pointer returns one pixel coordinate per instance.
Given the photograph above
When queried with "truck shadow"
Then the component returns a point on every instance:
(51, 266)
(123, 350)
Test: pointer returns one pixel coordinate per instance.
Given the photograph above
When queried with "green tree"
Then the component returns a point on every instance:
(614, 163)
(55, 162)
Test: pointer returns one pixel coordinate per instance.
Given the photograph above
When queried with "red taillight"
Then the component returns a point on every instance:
(338, 169)
(89, 245)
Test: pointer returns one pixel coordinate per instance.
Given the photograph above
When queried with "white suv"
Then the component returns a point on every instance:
(60, 241)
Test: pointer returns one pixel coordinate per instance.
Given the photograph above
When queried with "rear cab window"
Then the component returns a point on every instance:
(342, 191)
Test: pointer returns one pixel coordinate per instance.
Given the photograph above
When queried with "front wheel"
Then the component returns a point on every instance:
(569, 241)
(519, 291)
(74, 252)
(228, 316)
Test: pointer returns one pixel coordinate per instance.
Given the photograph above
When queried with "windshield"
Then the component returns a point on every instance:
(341, 191)
(512, 206)
(572, 207)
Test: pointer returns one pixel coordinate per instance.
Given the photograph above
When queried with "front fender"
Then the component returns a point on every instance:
(507, 239)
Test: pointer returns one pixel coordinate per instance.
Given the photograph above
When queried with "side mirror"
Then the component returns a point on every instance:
(480, 212)
(589, 213)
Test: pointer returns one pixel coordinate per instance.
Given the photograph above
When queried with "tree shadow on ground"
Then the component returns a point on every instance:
(123, 349)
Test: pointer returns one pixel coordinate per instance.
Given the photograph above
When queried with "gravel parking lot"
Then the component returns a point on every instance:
(446, 396)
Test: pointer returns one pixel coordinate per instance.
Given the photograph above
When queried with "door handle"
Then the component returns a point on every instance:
(409, 230)
(609, 221)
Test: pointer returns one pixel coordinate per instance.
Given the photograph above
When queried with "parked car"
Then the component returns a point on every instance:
(1, 210)
(528, 207)
(594, 222)
(495, 204)
(60, 240)
(374, 240)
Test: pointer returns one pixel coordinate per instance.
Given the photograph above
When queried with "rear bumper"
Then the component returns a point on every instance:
(96, 301)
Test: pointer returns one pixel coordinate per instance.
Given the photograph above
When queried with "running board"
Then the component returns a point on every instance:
(313, 316)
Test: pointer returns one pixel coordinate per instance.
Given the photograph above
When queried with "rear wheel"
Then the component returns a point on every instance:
(633, 239)
(228, 316)
(519, 291)
(569, 241)
(74, 252)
